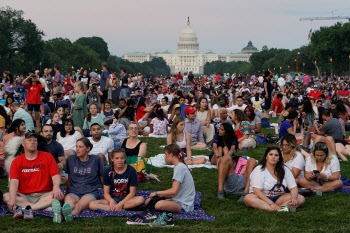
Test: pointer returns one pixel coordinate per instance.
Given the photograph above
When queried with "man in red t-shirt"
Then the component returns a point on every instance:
(314, 94)
(34, 180)
(277, 106)
(179, 76)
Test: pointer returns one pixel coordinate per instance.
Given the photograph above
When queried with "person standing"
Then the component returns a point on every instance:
(56, 81)
(104, 81)
(34, 87)
(124, 92)
(267, 90)
(80, 106)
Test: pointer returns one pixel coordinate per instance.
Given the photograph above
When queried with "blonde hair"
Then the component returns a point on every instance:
(81, 85)
(322, 146)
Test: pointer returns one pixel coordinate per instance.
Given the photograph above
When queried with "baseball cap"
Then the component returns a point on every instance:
(190, 110)
(315, 86)
(30, 133)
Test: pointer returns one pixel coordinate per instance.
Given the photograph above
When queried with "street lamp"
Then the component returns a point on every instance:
(298, 53)
(331, 60)
(303, 67)
(315, 68)
(280, 70)
(40, 65)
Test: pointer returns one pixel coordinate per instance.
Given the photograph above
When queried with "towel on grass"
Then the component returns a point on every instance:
(197, 214)
(158, 161)
(345, 183)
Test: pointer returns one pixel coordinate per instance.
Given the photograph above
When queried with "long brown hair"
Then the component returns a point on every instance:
(116, 151)
(173, 128)
(88, 116)
(240, 116)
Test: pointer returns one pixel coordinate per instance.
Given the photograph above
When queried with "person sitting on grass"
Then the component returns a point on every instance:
(68, 137)
(322, 169)
(244, 131)
(102, 146)
(292, 156)
(132, 145)
(224, 143)
(228, 180)
(84, 176)
(34, 180)
(119, 185)
(269, 181)
(182, 138)
(159, 124)
(92, 117)
(180, 197)
(117, 132)
(194, 127)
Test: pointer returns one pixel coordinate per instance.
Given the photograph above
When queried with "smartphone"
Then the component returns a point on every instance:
(316, 171)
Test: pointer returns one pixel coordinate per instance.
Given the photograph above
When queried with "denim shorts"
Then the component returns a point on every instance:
(118, 199)
(275, 198)
(96, 196)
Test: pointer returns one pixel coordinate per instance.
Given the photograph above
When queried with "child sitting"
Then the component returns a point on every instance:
(117, 132)
(92, 117)
(180, 197)
(119, 186)
(159, 123)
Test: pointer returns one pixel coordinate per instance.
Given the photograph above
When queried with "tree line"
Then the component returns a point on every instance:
(23, 49)
(328, 52)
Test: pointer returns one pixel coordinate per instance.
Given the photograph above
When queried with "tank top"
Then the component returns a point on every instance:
(131, 152)
(202, 115)
(108, 114)
(182, 144)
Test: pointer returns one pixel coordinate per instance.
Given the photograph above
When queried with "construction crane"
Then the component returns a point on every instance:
(325, 18)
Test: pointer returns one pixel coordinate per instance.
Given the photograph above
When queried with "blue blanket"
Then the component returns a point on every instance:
(197, 214)
(346, 183)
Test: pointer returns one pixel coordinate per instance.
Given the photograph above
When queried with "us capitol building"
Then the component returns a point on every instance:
(188, 58)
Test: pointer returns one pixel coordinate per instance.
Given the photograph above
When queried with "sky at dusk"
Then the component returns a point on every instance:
(224, 26)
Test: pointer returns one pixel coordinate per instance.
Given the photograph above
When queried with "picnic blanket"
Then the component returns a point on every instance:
(158, 161)
(345, 183)
(197, 214)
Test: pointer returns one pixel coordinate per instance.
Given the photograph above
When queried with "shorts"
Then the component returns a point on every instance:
(184, 207)
(341, 141)
(275, 198)
(33, 197)
(96, 196)
(118, 199)
(104, 96)
(124, 93)
(36, 107)
(235, 184)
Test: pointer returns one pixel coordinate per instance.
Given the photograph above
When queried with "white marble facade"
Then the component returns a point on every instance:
(188, 58)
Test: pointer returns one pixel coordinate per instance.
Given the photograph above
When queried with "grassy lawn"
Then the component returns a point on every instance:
(327, 213)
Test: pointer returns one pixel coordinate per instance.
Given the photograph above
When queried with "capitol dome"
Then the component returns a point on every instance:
(188, 42)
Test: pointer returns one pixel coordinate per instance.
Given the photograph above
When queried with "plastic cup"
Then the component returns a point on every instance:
(319, 190)
(291, 207)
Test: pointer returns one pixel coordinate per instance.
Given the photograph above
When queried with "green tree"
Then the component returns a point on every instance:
(21, 42)
(97, 44)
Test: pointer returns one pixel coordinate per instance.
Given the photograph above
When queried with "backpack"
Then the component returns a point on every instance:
(261, 139)
(240, 164)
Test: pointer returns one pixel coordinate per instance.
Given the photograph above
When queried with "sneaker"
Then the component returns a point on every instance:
(56, 208)
(220, 194)
(28, 213)
(137, 220)
(67, 212)
(165, 220)
(18, 213)
(241, 199)
(148, 215)
(284, 209)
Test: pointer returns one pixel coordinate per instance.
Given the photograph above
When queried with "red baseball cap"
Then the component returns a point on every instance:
(190, 110)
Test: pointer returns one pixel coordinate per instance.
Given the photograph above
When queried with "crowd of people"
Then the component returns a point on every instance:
(87, 141)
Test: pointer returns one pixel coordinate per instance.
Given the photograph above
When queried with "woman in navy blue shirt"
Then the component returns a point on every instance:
(289, 125)
(224, 143)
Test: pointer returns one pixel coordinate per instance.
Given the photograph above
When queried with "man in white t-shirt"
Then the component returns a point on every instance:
(102, 146)
(239, 105)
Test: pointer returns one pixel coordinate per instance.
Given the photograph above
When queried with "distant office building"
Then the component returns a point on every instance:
(188, 58)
